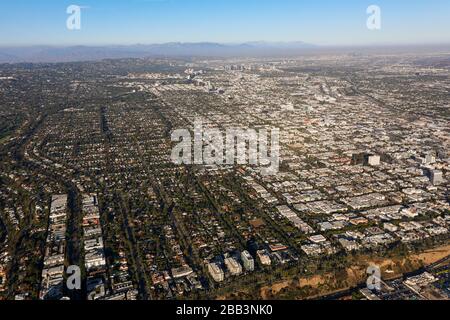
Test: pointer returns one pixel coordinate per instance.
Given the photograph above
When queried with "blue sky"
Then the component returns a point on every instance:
(326, 22)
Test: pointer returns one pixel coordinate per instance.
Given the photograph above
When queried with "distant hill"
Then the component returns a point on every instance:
(174, 49)
(200, 49)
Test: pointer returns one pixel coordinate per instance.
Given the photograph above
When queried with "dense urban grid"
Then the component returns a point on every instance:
(87, 179)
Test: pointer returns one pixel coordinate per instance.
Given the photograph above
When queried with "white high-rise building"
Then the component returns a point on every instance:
(430, 159)
(248, 261)
(233, 266)
(374, 160)
(216, 272)
(437, 177)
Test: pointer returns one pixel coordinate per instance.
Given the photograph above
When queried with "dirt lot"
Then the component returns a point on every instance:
(431, 256)
(391, 268)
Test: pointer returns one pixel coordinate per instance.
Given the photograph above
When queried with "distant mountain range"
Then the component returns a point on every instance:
(173, 49)
(36, 54)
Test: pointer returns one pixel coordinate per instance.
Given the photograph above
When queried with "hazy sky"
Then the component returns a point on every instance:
(328, 22)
